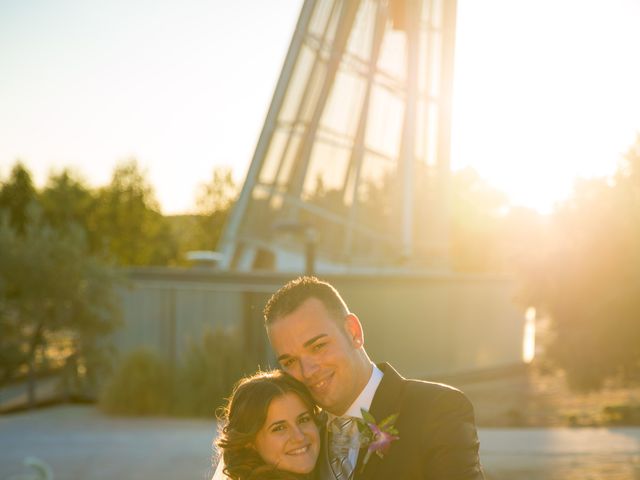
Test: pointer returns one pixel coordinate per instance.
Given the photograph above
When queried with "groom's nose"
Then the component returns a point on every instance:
(308, 367)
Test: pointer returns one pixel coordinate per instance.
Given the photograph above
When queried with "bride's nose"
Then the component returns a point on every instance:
(297, 434)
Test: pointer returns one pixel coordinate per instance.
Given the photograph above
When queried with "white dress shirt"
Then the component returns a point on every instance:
(362, 402)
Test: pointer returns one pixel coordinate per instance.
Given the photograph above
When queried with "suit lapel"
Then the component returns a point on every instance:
(385, 402)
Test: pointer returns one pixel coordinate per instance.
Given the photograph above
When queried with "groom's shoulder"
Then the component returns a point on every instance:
(431, 404)
(423, 389)
(427, 404)
(425, 392)
(431, 388)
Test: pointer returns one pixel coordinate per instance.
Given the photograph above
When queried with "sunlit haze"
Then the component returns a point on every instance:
(545, 90)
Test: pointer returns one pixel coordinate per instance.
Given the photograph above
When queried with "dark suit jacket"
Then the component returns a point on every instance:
(438, 439)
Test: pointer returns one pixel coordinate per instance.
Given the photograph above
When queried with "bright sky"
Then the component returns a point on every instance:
(545, 89)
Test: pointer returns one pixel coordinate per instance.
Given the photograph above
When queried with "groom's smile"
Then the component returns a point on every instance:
(319, 387)
(322, 352)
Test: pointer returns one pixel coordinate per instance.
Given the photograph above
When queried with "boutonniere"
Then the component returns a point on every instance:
(377, 437)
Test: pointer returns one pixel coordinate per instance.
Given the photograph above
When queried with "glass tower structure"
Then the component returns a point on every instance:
(353, 159)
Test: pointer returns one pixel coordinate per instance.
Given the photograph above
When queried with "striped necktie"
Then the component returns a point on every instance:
(340, 436)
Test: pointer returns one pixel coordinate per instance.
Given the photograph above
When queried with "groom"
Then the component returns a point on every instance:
(319, 342)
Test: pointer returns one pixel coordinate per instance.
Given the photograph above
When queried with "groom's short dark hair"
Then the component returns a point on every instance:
(289, 297)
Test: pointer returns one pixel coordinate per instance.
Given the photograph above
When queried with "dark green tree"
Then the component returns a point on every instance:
(214, 200)
(51, 290)
(66, 200)
(128, 220)
(17, 196)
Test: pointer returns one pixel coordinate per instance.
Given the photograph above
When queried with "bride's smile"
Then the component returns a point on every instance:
(289, 438)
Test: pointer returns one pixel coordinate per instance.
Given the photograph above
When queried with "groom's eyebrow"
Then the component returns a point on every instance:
(311, 341)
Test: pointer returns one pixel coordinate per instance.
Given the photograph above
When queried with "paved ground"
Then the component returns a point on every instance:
(561, 453)
(79, 443)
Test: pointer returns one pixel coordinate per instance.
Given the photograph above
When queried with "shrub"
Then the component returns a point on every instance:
(208, 373)
(141, 385)
(622, 414)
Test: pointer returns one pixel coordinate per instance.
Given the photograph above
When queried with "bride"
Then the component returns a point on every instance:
(269, 430)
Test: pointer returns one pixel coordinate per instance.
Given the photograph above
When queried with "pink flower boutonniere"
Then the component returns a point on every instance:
(377, 437)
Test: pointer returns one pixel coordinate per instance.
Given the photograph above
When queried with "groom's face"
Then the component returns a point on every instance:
(322, 352)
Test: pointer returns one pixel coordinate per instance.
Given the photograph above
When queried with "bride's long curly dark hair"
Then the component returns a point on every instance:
(242, 418)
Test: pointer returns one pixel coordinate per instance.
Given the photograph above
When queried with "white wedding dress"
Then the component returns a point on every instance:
(218, 475)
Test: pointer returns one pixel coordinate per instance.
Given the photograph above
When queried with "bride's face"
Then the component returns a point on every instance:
(289, 438)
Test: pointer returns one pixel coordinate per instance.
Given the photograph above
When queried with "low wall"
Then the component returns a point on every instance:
(422, 324)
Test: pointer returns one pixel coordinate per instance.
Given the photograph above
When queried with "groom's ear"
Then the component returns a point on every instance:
(353, 330)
